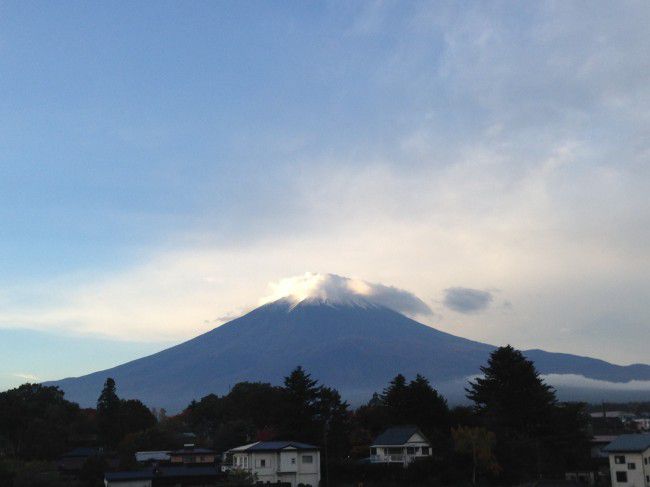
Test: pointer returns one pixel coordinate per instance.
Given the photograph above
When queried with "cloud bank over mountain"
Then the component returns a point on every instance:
(337, 289)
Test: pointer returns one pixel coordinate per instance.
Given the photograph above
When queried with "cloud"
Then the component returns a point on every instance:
(582, 382)
(466, 300)
(488, 165)
(27, 377)
(337, 289)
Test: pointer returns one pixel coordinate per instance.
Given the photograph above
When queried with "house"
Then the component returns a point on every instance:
(161, 456)
(278, 461)
(189, 455)
(170, 475)
(629, 460)
(400, 444)
(73, 460)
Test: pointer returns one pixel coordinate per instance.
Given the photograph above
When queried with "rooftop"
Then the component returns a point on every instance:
(629, 443)
(274, 446)
(191, 451)
(397, 435)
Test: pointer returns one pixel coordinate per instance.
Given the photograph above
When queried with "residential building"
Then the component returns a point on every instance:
(400, 444)
(629, 460)
(190, 455)
(278, 461)
(161, 456)
(73, 460)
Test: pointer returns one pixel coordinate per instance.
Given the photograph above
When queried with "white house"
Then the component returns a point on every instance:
(284, 461)
(629, 460)
(400, 444)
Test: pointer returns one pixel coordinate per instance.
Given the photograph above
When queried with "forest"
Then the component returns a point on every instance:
(512, 430)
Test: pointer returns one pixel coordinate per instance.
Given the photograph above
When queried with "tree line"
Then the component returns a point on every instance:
(515, 428)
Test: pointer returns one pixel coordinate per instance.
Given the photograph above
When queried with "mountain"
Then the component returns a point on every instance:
(356, 346)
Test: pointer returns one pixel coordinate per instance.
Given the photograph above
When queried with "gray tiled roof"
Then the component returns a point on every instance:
(276, 445)
(397, 435)
(629, 443)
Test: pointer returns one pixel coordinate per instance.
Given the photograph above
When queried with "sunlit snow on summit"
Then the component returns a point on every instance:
(335, 289)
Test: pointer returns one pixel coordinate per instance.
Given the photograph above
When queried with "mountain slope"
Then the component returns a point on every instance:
(356, 347)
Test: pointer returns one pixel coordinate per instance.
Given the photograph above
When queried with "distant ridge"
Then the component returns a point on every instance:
(354, 345)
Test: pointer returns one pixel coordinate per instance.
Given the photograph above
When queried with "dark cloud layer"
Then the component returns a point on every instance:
(466, 300)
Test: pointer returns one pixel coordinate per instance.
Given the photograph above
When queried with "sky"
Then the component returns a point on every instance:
(166, 166)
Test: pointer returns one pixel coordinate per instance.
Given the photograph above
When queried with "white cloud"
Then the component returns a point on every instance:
(515, 156)
(26, 377)
(582, 382)
(338, 289)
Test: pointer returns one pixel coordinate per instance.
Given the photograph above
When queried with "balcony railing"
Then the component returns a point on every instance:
(396, 458)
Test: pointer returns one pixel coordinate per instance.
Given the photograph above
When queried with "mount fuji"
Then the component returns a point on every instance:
(354, 345)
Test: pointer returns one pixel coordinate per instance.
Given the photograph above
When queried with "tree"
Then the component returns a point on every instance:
(300, 401)
(478, 443)
(108, 414)
(134, 416)
(427, 409)
(37, 422)
(513, 401)
(395, 400)
(511, 396)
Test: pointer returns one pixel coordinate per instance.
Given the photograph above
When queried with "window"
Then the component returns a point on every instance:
(647, 478)
(631, 466)
(307, 459)
(619, 459)
(621, 476)
(410, 450)
(293, 461)
(425, 450)
(263, 462)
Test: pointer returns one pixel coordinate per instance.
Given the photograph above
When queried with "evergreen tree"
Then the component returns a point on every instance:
(108, 414)
(427, 409)
(515, 403)
(511, 396)
(334, 418)
(301, 394)
(395, 399)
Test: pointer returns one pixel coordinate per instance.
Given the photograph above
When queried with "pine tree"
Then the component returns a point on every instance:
(300, 397)
(108, 414)
(511, 395)
(395, 400)
(513, 401)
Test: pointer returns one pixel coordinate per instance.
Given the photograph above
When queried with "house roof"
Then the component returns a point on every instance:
(81, 452)
(191, 451)
(274, 446)
(162, 472)
(397, 435)
(629, 443)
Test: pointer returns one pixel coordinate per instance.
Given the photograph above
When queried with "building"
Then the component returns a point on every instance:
(278, 461)
(73, 460)
(629, 460)
(161, 456)
(170, 475)
(400, 444)
(190, 455)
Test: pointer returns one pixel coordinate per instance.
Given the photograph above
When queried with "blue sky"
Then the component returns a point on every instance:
(162, 162)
